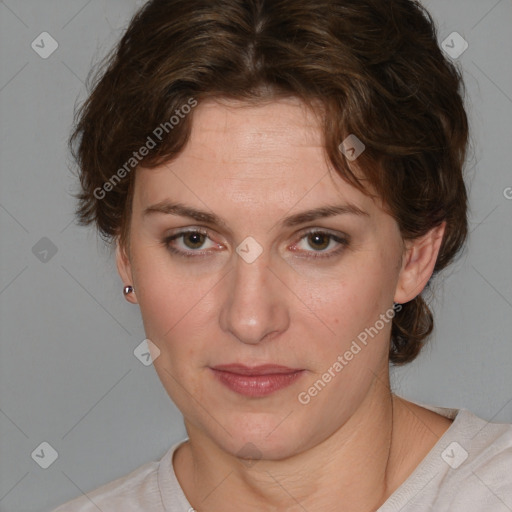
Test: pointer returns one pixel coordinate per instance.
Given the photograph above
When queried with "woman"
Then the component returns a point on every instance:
(281, 181)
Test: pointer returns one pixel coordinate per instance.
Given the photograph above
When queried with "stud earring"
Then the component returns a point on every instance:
(127, 290)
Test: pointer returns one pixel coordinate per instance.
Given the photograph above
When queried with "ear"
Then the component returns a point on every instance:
(418, 264)
(124, 268)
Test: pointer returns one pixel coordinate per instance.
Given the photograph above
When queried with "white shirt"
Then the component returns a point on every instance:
(468, 470)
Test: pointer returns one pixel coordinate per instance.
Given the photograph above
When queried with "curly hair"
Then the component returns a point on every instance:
(371, 68)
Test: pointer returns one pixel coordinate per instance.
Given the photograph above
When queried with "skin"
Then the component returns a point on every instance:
(252, 166)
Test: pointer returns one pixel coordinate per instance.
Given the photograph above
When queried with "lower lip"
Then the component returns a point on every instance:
(256, 385)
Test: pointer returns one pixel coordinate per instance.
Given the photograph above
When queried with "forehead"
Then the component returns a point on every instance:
(275, 126)
(248, 155)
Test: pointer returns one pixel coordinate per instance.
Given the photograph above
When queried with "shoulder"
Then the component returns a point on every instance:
(468, 469)
(135, 491)
(480, 464)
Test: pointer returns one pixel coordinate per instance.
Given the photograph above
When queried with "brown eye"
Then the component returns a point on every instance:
(187, 243)
(319, 241)
(321, 244)
(193, 239)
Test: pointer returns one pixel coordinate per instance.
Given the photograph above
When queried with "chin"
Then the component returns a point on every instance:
(260, 436)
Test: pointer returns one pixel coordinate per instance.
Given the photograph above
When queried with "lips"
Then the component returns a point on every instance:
(264, 369)
(256, 381)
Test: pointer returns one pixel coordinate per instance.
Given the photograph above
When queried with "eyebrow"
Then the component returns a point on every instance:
(170, 208)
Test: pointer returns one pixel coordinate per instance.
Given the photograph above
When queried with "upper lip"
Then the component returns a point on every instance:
(264, 369)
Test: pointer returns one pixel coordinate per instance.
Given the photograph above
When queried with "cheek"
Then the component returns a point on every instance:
(353, 297)
(176, 309)
(352, 310)
(163, 294)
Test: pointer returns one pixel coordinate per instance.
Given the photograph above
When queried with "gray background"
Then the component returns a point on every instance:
(68, 373)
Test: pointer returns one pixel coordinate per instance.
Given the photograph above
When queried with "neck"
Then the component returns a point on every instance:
(358, 464)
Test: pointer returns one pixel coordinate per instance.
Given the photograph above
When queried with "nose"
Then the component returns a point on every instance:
(255, 305)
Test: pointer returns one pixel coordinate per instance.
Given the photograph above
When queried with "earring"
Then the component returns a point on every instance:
(127, 290)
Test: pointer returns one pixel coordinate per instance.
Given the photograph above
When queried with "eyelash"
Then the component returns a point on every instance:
(343, 242)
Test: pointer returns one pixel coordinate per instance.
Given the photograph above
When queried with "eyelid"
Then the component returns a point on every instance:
(342, 239)
(167, 239)
(320, 229)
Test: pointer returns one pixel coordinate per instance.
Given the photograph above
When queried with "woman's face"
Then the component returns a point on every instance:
(257, 287)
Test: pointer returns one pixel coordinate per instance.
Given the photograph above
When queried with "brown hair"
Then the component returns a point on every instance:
(373, 66)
